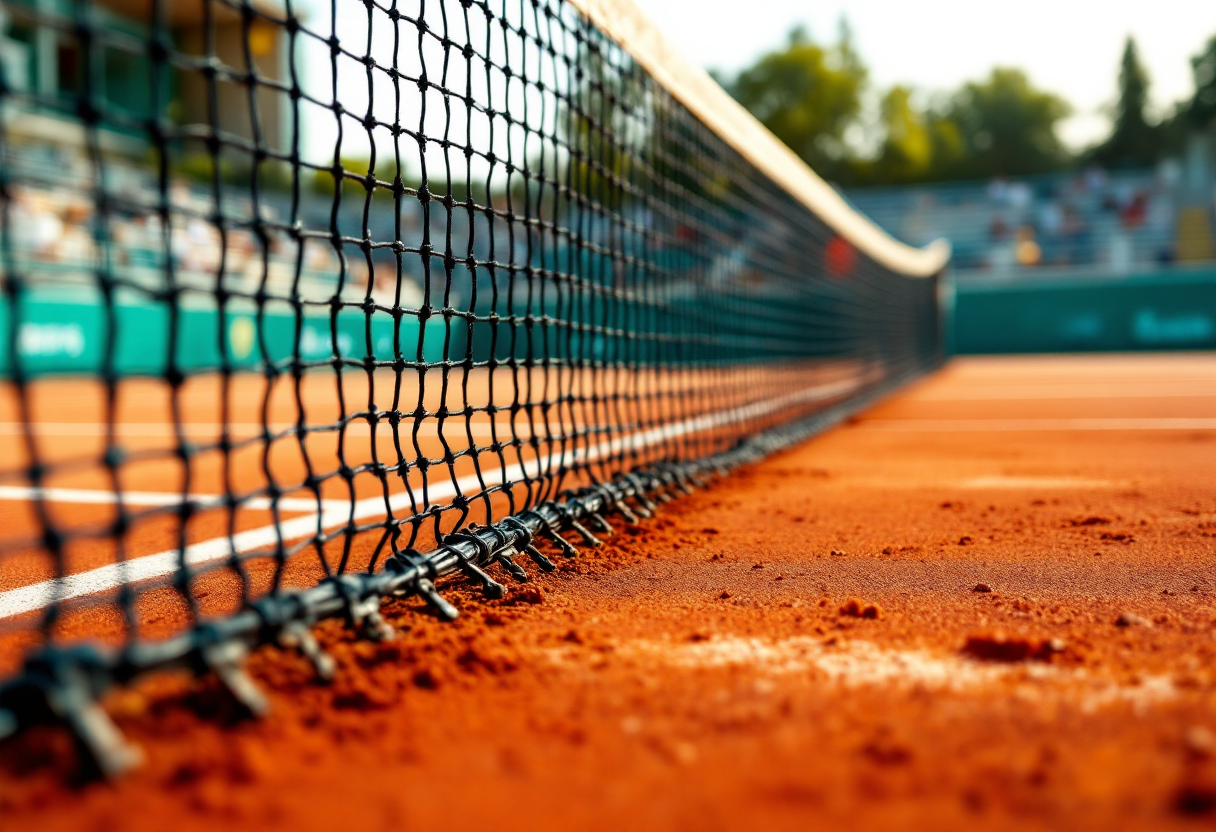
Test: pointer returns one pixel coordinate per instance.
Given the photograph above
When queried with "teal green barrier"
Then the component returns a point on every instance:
(65, 331)
(56, 336)
(1168, 310)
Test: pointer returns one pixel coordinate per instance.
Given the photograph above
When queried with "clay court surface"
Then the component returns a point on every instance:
(802, 642)
(498, 459)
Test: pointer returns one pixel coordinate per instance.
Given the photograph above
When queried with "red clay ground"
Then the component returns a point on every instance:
(800, 643)
(70, 419)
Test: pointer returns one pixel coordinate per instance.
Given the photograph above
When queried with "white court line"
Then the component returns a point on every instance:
(947, 425)
(85, 496)
(1015, 393)
(43, 594)
(251, 430)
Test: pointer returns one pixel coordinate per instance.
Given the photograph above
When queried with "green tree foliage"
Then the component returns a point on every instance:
(1133, 142)
(1000, 126)
(917, 144)
(907, 150)
(601, 128)
(1007, 127)
(200, 166)
(1196, 113)
(812, 97)
(1202, 109)
(809, 96)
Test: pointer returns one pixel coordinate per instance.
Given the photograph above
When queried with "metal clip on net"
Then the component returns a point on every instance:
(226, 659)
(299, 636)
(614, 501)
(568, 519)
(645, 507)
(414, 574)
(490, 588)
(567, 548)
(523, 543)
(362, 613)
(502, 550)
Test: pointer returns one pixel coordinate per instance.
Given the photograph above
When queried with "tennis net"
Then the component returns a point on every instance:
(310, 304)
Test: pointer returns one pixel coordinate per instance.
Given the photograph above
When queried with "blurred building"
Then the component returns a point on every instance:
(49, 69)
(224, 76)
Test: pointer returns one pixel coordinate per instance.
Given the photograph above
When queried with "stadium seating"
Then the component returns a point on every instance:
(1112, 223)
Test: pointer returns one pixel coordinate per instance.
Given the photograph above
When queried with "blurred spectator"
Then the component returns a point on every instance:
(917, 225)
(998, 191)
(1091, 218)
(1096, 180)
(54, 233)
(1020, 196)
(1134, 211)
(1051, 218)
(997, 229)
(1075, 233)
(1026, 250)
(37, 227)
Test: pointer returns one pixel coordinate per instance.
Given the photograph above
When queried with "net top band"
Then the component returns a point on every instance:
(692, 86)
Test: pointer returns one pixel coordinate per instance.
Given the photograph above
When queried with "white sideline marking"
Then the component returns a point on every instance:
(43, 594)
(1097, 390)
(243, 430)
(855, 664)
(934, 425)
(1036, 482)
(85, 496)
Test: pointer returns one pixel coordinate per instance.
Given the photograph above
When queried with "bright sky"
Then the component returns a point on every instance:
(1070, 47)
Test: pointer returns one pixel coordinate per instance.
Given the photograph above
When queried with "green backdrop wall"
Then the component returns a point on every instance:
(1171, 309)
(1174, 309)
(69, 335)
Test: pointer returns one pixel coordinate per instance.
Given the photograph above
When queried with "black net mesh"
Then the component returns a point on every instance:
(293, 289)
